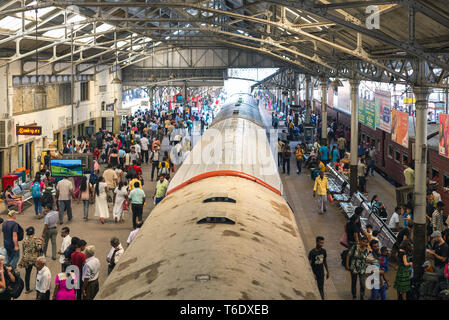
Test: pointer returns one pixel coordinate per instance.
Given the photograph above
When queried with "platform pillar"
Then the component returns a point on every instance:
(419, 228)
(323, 111)
(354, 134)
(307, 118)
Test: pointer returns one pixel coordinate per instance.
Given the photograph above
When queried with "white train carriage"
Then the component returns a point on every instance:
(223, 231)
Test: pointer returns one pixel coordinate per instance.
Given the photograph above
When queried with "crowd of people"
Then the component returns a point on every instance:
(364, 251)
(116, 180)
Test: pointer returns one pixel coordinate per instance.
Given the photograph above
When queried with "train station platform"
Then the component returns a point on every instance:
(298, 191)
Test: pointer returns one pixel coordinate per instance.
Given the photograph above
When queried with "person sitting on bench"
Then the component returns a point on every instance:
(12, 199)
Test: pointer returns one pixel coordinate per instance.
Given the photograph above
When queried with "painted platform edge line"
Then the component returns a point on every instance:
(229, 173)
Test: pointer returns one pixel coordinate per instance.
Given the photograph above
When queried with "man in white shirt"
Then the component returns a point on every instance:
(138, 150)
(91, 271)
(64, 195)
(144, 143)
(114, 254)
(66, 240)
(43, 280)
(394, 220)
(133, 233)
(133, 155)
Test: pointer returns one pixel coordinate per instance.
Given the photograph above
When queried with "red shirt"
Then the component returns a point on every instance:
(96, 154)
(78, 259)
(137, 169)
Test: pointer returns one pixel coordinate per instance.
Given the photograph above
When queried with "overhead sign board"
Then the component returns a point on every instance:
(409, 100)
(28, 131)
(107, 114)
(123, 112)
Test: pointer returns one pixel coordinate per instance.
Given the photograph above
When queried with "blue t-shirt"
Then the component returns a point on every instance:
(361, 150)
(8, 228)
(335, 155)
(324, 150)
(121, 153)
(407, 216)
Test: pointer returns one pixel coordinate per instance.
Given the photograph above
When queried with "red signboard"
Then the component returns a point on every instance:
(28, 131)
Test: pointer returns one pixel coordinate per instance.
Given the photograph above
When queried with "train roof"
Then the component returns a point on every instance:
(247, 109)
(431, 127)
(260, 256)
(243, 146)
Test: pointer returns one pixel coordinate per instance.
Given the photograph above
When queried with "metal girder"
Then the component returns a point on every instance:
(354, 4)
(367, 67)
(432, 13)
(413, 49)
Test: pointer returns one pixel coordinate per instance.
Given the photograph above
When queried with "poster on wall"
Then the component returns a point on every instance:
(383, 105)
(444, 135)
(367, 113)
(399, 127)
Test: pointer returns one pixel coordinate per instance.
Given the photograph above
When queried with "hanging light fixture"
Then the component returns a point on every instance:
(39, 90)
(152, 78)
(172, 76)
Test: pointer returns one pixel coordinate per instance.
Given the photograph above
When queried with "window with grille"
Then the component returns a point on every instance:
(84, 91)
(65, 94)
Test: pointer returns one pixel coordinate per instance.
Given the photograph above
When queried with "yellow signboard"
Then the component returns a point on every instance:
(409, 100)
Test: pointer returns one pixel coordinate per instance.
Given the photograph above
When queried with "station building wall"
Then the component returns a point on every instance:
(17, 103)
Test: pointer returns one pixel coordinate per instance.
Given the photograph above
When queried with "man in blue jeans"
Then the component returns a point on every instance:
(10, 229)
(381, 286)
(161, 189)
(64, 194)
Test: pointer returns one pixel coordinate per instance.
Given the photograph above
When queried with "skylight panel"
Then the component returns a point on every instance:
(121, 43)
(11, 23)
(292, 12)
(86, 39)
(55, 33)
(75, 18)
(104, 27)
(31, 14)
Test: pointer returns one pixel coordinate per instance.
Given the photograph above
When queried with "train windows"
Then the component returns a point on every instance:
(212, 219)
(390, 151)
(378, 145)
(445, 181)
(435, 173)
(405, 159)
(219, 199)
(397, 156)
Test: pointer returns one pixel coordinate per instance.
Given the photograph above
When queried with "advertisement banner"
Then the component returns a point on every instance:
(383, 104)
(367, 113)
(399, 127)
(444, 135)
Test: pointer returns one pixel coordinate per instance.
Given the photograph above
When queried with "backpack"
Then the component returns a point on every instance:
(343, 255)
(36, 190)
(19, 232)
(47, 197)
(163, 171)
(15, 288)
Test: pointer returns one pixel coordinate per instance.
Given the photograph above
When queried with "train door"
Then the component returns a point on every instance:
(383, 149)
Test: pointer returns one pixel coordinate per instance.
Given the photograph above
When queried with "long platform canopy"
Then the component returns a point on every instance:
(400, 40)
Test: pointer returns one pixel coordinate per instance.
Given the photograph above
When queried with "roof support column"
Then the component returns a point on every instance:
(290, 100)
(297, 90)
(307, 119)
(419, 228)
(184, 97)
(354, 133)
(323, 111)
